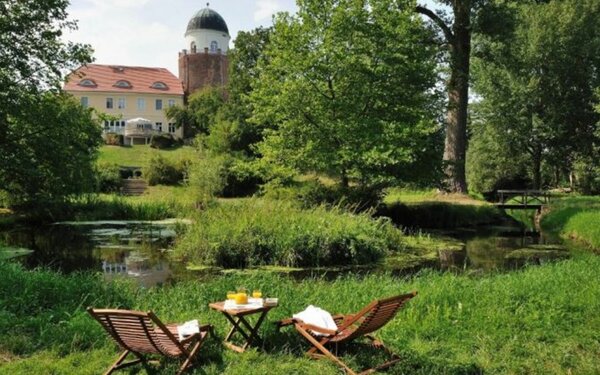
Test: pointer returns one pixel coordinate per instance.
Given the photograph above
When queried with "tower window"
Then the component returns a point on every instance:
(214, 46)
(193, 47)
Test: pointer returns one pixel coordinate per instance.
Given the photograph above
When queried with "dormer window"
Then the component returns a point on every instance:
(160, 86)
(123, 84)
(87, 83)
(214, 46)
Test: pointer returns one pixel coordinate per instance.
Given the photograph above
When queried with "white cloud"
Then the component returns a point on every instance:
(265, 9)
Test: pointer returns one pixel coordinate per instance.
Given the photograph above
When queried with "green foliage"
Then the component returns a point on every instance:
(47, 141)
(539, 320)
(140, 155)
(537, 82)
(162, 171)
(55, 154)
(108, 177)
(162, 141)
(576, 218)
(113, 139)
(347, 91)
(265, 232)
(201, 110)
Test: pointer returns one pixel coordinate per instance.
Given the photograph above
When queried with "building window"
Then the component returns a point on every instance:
(158, 105)
(159, 127)
(106, 125)
(123, 84)
(121, 103)
(109, 103)
(160, 86)
(123, 123)
(171, 127)
(85, 102)
(171, 103)
(193, 47)
(141, 103)
(214, 46)
(87, 83)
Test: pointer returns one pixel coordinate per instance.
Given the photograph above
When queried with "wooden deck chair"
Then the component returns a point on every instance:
(350, 327)
(140, 333)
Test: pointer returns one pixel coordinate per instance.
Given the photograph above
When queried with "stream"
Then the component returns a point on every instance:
(139, 250)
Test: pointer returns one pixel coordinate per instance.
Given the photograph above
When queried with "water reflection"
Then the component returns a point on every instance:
(117, 249)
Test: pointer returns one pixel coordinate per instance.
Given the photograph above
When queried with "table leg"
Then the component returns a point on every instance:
(253, 331)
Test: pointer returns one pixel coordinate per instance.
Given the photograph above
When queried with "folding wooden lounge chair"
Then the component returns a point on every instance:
(350, 327)
(142, 333)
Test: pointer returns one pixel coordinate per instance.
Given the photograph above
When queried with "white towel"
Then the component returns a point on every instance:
(187, 329)
(318, 318)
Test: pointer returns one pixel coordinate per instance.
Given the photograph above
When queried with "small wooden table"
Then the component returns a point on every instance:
(237, 319)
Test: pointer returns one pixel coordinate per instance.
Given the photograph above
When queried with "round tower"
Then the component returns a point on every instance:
(204, 60)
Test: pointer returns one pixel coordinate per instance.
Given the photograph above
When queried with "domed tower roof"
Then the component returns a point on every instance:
(207, 19)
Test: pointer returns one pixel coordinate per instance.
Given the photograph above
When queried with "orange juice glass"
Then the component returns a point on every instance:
(231, 295)
(257, 293)
(241, 298)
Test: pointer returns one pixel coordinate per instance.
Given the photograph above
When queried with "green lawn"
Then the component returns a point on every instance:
(541, 320)
(140, 155)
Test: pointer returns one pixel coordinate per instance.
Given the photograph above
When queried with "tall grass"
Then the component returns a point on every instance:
(540, 320)
(575, 217)
(267, 232)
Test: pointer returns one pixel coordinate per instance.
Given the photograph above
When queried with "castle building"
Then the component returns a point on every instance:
(135, 98)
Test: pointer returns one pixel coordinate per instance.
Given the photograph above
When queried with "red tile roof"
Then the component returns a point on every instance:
(140, 78)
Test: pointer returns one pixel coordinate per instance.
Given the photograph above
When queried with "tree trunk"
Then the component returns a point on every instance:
(458, 98)
(537, 168)
(459, 43)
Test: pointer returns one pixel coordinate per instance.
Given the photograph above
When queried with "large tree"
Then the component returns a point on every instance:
(347, 85)
(33, 58)
(537, 87)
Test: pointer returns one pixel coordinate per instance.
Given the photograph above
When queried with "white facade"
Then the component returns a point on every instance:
(200, 39)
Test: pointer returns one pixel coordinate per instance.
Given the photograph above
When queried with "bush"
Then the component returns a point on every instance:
(313, 193)
(267, 232)
(108, 177)
(162, 141)
(161, 171)
(113, 139)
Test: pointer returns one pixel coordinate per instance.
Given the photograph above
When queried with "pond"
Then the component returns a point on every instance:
(139, 250)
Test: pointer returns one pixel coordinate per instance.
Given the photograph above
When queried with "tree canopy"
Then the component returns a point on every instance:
(348, 87)
(48, 141)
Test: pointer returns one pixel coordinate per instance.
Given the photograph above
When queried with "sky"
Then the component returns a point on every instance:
(151, 32)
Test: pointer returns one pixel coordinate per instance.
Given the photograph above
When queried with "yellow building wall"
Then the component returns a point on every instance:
(97, 100)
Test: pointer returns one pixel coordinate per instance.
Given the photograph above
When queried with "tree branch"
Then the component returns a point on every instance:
(438, 21)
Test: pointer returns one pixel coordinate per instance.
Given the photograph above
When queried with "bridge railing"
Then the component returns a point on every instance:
(523, 197)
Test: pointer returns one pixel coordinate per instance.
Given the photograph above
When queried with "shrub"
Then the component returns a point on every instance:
(162, 141)
(108, 177)
(267, 232)
(161, 171)
(113, 139)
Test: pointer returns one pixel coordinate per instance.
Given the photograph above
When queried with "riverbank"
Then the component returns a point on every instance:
(537, 320)
(576, 218)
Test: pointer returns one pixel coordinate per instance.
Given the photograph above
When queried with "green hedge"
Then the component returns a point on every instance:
(267, 232)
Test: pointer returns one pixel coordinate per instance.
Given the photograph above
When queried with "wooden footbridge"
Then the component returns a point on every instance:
(522, 199)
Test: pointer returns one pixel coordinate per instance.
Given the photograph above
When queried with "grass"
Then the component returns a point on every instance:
(576, 218)
(140, 155)
(538, 320)
(406, 196)
(257, 232)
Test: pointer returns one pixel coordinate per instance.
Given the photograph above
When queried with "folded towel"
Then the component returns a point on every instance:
(318, 318)
(187, 329)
